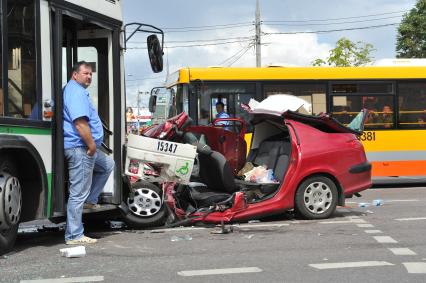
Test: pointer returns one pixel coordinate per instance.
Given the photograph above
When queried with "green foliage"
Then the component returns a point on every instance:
(347, 53)
(411, 37)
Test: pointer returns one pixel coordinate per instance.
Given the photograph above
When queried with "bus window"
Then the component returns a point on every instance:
(313, 93)
(412, 105)
(22, 97)
(381, 108)
(231, 94)
(90, 55)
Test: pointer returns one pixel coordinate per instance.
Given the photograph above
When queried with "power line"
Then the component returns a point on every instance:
(241, 55)
(235, 54)
(196, 45)
(335, 23)
(335, 19)
(333, 30)
(198, 40)
(208, 26)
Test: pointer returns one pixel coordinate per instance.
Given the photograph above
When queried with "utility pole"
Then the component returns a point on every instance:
(258, 34)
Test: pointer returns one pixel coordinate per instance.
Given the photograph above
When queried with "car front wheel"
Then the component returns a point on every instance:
(316, 198)
(146, 208)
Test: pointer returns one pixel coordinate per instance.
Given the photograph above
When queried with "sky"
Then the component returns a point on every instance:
(225, 30)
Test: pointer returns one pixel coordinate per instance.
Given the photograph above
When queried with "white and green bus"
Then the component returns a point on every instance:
(40, 41)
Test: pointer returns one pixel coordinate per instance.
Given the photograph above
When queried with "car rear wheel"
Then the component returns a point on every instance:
(146, 208)
(10, 204)
(316, 198)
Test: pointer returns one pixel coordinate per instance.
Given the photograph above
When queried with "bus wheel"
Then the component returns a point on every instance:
(146, 208)
(10, 205)
(316, 198)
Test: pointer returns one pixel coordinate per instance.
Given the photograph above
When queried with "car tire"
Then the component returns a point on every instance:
(10, 204)
(147, 209)
(316, 198)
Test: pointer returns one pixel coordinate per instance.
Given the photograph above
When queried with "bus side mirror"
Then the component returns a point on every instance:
(155, 53)
(152, 103)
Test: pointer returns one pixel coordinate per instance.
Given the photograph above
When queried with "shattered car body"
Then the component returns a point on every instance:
(316, 163)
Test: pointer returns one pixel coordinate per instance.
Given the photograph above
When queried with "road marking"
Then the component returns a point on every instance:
(365, 225)
(410, 219)
(415, 267)
(385, 239)
(219, 271)
(349, 264)
(351, 221)
(401, 251)
(66, 280)
(373, 231)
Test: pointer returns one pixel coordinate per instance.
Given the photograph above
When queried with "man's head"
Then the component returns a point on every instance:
(387, 109)
(82, 73)
(219, 107)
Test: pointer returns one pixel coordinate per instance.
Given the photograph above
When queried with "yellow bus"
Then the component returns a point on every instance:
(395, 133)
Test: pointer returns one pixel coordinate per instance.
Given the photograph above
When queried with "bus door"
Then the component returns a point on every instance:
(88, 41)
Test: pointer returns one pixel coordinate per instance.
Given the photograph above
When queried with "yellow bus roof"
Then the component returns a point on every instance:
(185, 75)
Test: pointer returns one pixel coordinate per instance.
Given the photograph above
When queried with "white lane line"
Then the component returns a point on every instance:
(219, 271)
(373, 231)
(349, 264)
(385, 239)
(351, 221)
(410, 219)
(415, 267)
(365, 225)
(66, 280)
(402, 251)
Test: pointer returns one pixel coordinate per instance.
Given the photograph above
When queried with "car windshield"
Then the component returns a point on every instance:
(357, 124)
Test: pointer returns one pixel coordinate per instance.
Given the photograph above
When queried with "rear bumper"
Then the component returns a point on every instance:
(360, 168)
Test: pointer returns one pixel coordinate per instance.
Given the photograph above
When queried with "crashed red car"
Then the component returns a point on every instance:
(315, 161)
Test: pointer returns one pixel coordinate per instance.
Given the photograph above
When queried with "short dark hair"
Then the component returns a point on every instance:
(221, 104)
(76, 67)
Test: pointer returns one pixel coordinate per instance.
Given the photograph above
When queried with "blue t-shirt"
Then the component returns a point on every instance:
(222, 115)
(77, 104)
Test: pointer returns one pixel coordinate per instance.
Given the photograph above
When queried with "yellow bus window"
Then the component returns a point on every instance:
(412, 105)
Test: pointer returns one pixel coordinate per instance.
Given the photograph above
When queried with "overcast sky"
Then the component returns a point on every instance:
(231, 23)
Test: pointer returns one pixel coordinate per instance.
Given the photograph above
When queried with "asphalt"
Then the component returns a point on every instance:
(283, 249)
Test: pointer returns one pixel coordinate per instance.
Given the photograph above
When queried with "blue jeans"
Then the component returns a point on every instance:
(88, 176)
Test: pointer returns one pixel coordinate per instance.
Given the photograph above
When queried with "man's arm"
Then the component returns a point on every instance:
(86, 135)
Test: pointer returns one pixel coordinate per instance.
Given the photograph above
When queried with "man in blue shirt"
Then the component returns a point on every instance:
(220, 109)
(89, 167)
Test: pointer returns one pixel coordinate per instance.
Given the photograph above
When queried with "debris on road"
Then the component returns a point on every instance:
(362, 204)
(178, 239)
(79, 251)
(377, 202)
(248, 236)
(116, 224)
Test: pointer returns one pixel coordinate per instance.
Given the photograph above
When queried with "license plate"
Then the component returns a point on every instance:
(166, 147)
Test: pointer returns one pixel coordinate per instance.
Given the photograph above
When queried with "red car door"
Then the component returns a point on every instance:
(227, 137)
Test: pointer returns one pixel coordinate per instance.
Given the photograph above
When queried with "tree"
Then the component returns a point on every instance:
(347, 53)
(411, 37)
